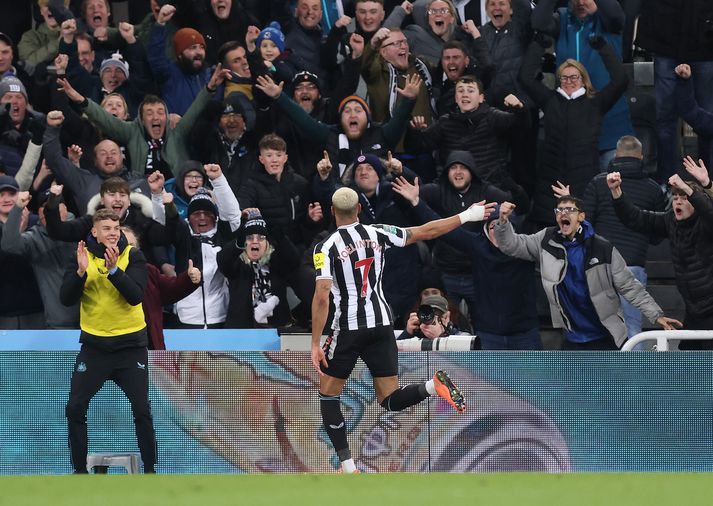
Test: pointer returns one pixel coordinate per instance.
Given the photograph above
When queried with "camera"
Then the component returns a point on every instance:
(426, 314)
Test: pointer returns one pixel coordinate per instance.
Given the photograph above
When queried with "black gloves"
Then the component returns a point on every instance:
(543, 39)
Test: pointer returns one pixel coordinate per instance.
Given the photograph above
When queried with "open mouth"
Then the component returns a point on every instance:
(97, 19)
(117, 208)
(565, 222)
(254, 248)
(305, 98)
(678, 211)
(439, 23)
(156, 129)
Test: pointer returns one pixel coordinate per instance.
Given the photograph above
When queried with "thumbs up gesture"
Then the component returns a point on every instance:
(194, 273)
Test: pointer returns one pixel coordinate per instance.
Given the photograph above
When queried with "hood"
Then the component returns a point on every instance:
(137, 200)
(629, 167)
(186, 167)
(460, 156)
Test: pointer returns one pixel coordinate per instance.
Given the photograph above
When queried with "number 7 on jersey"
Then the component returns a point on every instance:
(364, 265)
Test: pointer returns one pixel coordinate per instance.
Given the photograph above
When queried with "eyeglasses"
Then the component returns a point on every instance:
(193, 178)
(397, 43)
(255, 238)
(566, 210)
(305, 86)
(571, 79)
(444, 10)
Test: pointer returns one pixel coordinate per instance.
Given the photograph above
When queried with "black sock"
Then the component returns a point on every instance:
(405, 397)
(334, 425)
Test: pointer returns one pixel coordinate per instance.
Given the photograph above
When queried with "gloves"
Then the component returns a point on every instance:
(264, 309)
(597, 41)
(36, 129)
(543, 39)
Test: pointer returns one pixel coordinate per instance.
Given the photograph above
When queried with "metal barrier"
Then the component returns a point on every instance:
(662, 337)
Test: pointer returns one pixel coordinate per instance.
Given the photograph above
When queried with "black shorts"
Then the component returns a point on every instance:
(376, 347)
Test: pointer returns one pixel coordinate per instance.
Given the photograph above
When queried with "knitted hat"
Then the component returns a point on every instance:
(233, 104)
(372, 160)
(202, 201)
(12, 84)
(274, 33)
(185, 38)
(254, 224)
(306, 77)
(116, 60)
(8, 183)
(354, 98)
(436, 302)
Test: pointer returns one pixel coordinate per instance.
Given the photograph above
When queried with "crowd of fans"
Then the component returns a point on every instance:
(218, 130)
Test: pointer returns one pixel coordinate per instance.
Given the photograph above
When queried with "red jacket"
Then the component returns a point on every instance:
(162, 290)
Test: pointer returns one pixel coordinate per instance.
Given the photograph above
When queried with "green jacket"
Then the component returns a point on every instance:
(132, 134)
(39, 45)
(375, 71)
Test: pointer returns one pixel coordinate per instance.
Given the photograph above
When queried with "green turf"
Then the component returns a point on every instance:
(522, 489)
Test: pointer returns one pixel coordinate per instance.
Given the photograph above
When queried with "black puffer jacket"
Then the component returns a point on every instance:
(571, 152)
(283, 204)
(691, 247)
(480, 132)
(679, 29)
(507, 46)
(642, 191)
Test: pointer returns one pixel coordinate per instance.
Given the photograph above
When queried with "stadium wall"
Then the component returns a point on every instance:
(241, 411)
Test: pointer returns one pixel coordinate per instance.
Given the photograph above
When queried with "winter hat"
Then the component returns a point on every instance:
(202, 201)
(436, 302)
(116, 60)
(233, 105)
(306, 77)
(185, 38)
(254, 224)
(372, 160)
(359, 100)
(274, 33)
(12, 84)
(8, 183)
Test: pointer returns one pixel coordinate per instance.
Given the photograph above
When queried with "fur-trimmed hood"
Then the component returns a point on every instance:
(138, 201)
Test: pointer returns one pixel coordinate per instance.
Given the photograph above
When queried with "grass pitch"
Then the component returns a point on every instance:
(436, 489)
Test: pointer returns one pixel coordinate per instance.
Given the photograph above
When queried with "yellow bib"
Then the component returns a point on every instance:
(104, 311)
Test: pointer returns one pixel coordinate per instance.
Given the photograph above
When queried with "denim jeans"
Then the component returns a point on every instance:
(460, 287)
(632, 316)
(528, 340)
(669, 156)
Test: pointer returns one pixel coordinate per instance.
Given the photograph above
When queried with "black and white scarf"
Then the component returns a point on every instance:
(423, 71)
(155, 161)
(262, 288)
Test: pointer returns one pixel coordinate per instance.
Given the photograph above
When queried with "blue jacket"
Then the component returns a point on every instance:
(178, 89)
(573, 42)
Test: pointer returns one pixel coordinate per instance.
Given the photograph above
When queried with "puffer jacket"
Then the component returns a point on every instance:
(644, 192)
(691, 247)
(570, 153)
(605, 270)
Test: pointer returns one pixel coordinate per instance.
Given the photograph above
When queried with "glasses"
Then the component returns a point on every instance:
(255, 238)
(571, 79)
(444, 11)
(305, 86)
(193, 178)
(397, 43)
(566, 210)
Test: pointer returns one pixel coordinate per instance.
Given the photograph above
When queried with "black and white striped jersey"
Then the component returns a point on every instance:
(353, 258)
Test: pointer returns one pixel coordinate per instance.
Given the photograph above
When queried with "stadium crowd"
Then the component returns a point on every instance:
(218, 131)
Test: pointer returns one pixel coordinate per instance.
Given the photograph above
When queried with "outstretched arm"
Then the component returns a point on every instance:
(437, 228)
